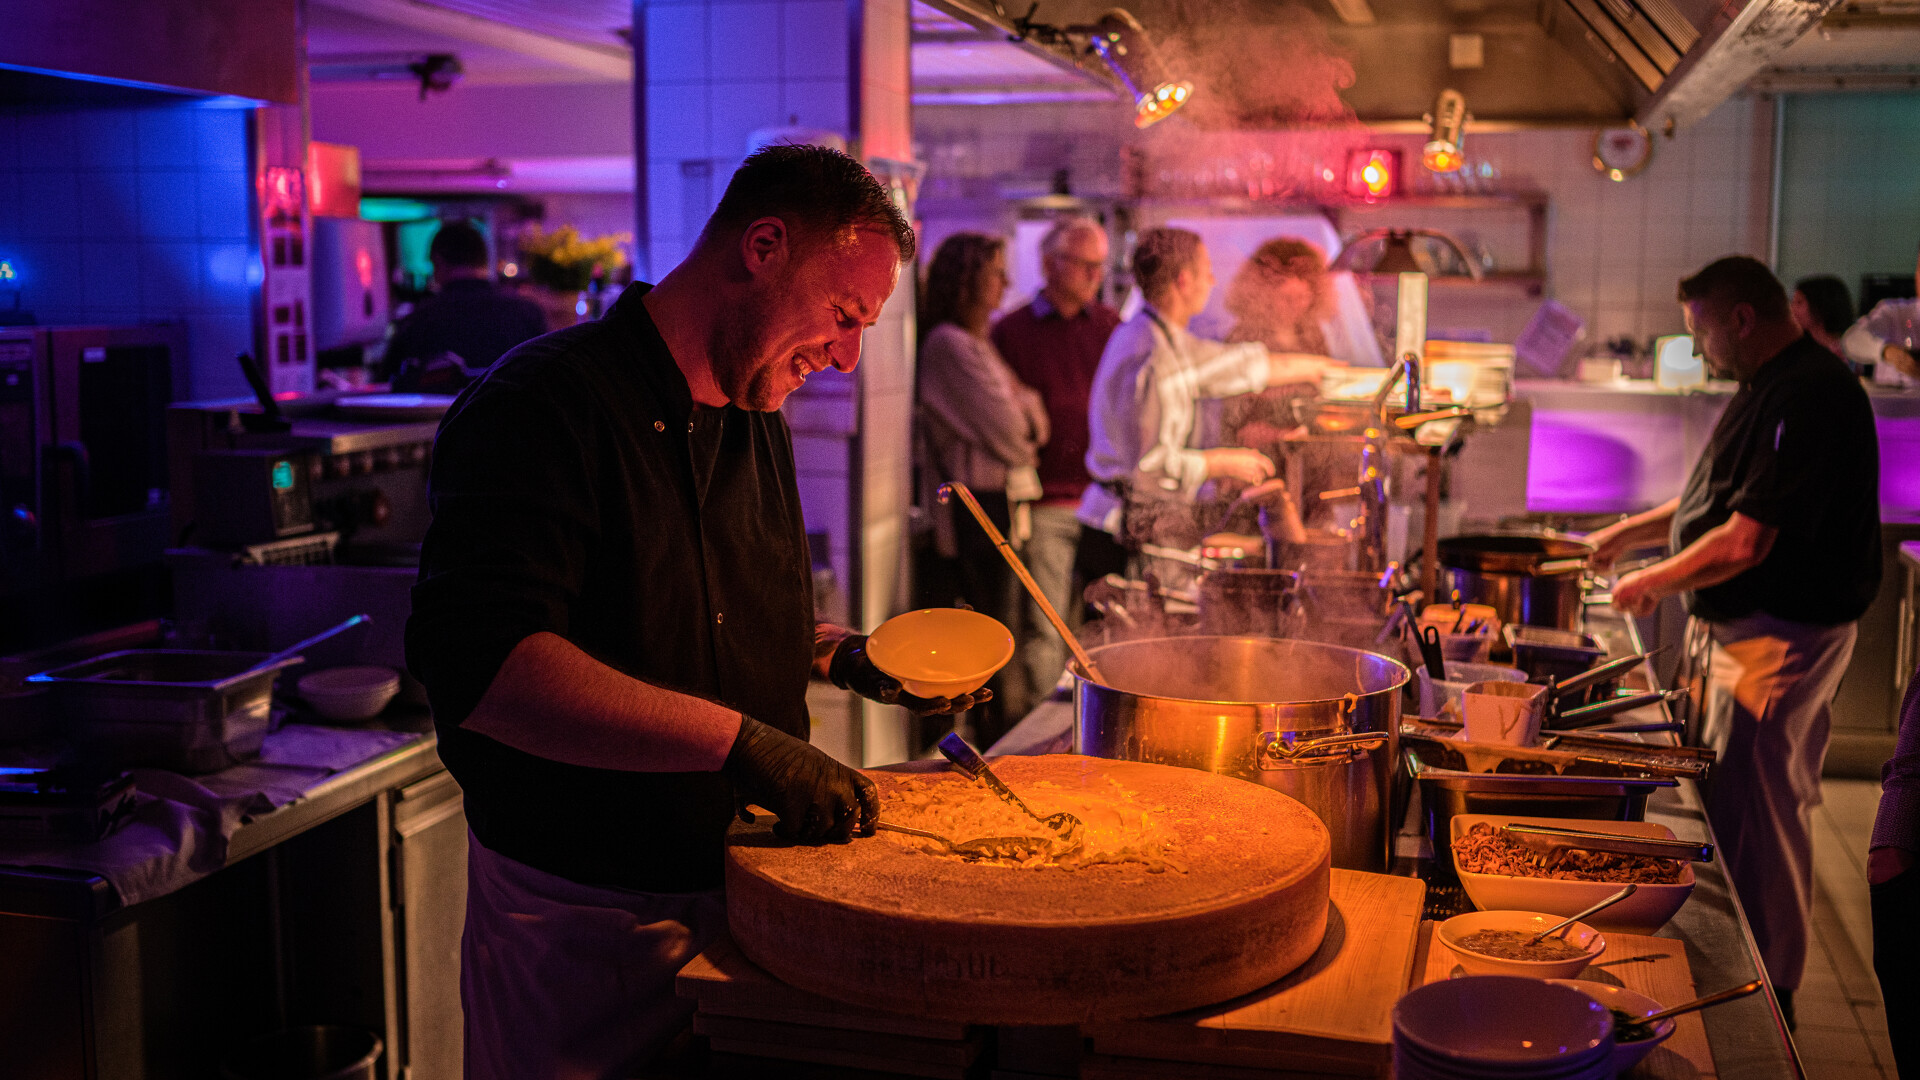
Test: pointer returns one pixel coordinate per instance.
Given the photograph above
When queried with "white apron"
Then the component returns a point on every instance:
(1768, 717)
(572, 982)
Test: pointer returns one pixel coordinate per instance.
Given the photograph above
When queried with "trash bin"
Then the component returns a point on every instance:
(319, 1052)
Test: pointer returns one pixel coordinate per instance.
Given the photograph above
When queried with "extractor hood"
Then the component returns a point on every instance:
(1520, 63)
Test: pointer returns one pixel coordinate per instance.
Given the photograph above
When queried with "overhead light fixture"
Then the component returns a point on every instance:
(1120, 41)
(1123, 43)
(1442, 154)
(433, 71)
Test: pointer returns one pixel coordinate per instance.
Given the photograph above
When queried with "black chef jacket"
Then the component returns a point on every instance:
(1796, 449)
(475, 320)
(577, 489)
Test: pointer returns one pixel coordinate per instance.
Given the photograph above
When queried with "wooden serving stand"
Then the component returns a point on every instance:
(1331, 1018)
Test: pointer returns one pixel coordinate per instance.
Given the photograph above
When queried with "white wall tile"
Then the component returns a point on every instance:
(820, 103)
(169, 276)
(49, 205)
(112, 274)
(743, 42)
(109, 204)
(9, 143)
(220, 140)
(9, 206)
(169, 205)
(677, 121)
(166, 139)
(49, 139)
(816, 35)
(740, 108)
(222, 199)
(104, 139)
(676, 42)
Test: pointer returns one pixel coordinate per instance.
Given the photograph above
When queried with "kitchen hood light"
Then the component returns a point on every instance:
(1123, 43)
(1442, 154)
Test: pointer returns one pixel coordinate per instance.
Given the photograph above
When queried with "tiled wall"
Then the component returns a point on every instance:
(121, 215)
(1850, 198)
(1615, 250)
(716, 71)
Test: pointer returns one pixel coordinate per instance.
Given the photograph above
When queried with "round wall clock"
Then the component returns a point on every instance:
(1620, 152)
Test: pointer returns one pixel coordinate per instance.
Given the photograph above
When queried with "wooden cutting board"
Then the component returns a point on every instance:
(1334, 1015)
(1656, 967)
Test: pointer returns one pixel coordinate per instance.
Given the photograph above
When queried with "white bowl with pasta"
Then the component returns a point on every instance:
(1493, 877)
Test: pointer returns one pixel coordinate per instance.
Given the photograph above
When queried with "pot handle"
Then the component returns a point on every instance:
(1272, 751)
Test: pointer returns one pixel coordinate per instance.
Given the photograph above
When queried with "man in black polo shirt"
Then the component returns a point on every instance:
(614, 619)
(1776, 547)
(470, 317)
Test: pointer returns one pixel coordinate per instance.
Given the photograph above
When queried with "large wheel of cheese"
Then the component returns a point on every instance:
(880, 925)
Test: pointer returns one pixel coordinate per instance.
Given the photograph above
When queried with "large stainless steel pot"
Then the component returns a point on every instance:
(1532, 580)
(1317, 722)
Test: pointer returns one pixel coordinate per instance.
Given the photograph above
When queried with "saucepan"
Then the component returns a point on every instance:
(1314, 721)
(1529, 580)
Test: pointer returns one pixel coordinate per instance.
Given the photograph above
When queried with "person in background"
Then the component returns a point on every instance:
(1053, 344)
(1282, 297)
(470, 320)
(1894, 886)
(1823, 307)
(1887, 338)
(614, 617)
(984, 428)
(1776, 553)
(1143, 409)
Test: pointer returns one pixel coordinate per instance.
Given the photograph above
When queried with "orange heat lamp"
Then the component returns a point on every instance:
(1372, 174)
(1122, 42)
(1442, 153)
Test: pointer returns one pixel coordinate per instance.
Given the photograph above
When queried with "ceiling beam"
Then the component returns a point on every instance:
(609, 62)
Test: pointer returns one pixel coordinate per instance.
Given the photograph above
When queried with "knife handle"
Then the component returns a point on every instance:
(966, 757)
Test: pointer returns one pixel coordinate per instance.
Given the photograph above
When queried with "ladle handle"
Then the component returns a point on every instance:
(1700, 1003)
(1571, 919)
(1019, 568)
(970, 762)
(292, 651)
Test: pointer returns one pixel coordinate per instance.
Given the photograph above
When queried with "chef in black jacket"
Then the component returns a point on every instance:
(614, 618)
(1776, 552)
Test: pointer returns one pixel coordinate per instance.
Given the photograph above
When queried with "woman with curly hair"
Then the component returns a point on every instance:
(1282, 297)
(982, 426)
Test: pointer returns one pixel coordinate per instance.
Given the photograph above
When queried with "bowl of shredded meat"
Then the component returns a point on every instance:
(1502, 875)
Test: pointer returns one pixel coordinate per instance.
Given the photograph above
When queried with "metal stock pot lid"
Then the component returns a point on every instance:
(1509, 554)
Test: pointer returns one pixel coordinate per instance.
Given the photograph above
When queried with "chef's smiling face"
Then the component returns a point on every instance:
(806, 306)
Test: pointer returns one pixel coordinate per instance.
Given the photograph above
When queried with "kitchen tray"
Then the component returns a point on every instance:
(190, 710)
(1547, 653)
(1446, 792)
(1571, 755)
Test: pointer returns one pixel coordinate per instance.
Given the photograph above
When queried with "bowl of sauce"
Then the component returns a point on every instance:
(1632, 1040)
(1496, 943)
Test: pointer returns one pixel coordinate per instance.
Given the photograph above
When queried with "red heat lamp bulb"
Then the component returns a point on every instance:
(1373, 174)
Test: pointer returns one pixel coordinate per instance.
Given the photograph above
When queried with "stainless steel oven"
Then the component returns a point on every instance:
(83, 448)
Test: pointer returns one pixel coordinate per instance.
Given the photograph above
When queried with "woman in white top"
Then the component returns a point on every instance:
(982, 426)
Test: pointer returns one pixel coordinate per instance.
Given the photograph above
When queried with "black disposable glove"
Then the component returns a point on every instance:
(818, 799)
(850, 669)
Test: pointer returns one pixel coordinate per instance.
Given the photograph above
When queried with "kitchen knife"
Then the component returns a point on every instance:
(1588, 715)
(1546, 839)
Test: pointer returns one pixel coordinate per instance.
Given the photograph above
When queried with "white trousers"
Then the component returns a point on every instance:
(572, 982)
(1768, 717)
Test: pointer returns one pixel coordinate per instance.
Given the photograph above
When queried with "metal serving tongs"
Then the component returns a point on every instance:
(1546, 839)
(971, 763)
(972, 504)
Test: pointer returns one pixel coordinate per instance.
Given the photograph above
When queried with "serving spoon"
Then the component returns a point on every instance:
(989, 847)
(1571, 919)
(1696, 1004)
(971, 763)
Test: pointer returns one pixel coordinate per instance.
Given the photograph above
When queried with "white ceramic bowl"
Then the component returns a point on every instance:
(1579, 934)
(1489, 1026)
(350, 693)
(940, 652)
(1645, 912)
(1625, 1054)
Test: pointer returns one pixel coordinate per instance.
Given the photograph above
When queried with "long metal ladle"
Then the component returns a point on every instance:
(970, 762)
(1020, 569)
(990, 847)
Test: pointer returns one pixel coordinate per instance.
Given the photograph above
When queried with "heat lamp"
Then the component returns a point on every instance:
(1122, 43)
(1443, 152)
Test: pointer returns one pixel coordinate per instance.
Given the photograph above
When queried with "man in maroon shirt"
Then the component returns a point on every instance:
(1054, 345)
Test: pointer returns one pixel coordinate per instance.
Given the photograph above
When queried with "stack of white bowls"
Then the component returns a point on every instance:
(1499, 1027)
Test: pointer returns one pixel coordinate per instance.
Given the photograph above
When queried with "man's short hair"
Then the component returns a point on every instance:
(1738, 279)
(817, 191)
(458, 243)
(1066, 229)
(1160, 255)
